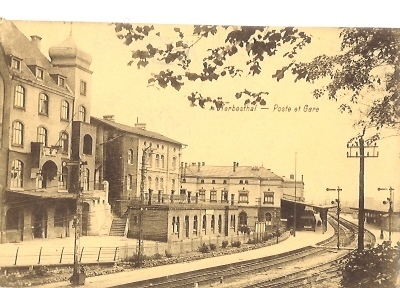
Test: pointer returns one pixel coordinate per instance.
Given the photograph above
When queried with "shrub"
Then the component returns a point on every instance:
(156, 256)
(224, 244)
(376, 267)
(168, 254)
(251, 241)
(236, 244)
(204, 248)
(213, 246)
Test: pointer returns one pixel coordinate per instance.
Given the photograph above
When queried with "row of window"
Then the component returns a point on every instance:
(243, 196)
(225, 181)
(215, 224)
(158, 183)
(42, 137)
(43, 108)
(17, 177)
(160, 161)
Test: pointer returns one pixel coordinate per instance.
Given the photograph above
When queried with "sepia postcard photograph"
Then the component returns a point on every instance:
(179, 148)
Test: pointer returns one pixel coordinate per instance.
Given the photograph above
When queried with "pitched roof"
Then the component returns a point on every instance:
(227, 172)
(14, 43)
(134, 130)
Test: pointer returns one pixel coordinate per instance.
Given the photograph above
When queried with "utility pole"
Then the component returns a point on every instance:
(360, 147)
(143, 171)
(337, 213)
(390, 212)
(295, 195)
(76, 278)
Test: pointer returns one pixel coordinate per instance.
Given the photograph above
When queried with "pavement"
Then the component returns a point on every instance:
(51, 251)
(302, 239)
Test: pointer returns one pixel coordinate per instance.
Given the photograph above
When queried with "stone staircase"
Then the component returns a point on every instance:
(118, 226)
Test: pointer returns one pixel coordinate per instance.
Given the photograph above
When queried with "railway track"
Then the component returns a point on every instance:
(316, 273)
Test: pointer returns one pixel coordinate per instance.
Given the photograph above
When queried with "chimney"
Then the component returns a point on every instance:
(109, 118)
(36, 41)
(234, 166)
(198, 167)
(141, 125)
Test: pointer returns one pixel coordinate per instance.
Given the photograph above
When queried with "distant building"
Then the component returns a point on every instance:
(257, 191)
(45, 123)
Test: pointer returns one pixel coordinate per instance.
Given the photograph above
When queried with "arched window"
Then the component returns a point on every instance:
(43, 104)
(162, 161)
(195, 223)
(157, 160)
(156, 184)
(202, 181)
(268, 219)
(149, 182)
(17, 133)
(204, 224)
(174, 163)
(173, 224)
(64, 142)
(213, 223)
(82, 113)
(19, 96)
(87, 144)
(17, 174)
(173, 184)
(243, 219)
(130, 156)
(219, 223)
(65, 110)
(42, 135)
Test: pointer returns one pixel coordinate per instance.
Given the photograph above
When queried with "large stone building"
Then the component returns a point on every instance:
(257, 191)
(119, 155)
(45, 123)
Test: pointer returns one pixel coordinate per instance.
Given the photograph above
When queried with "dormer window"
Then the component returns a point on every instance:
(61, 81)
(39, 73)
(16, 63)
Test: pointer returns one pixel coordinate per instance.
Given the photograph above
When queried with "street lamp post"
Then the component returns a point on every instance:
(390, 212)
(277, 225)
(338, 189)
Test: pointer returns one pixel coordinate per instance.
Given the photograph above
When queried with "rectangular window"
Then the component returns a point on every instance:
(213, 196)
(83, 87)
(202, 195)
(268, 198)
(16, 63)
(39, 73)
(61, 81)
(243, 197)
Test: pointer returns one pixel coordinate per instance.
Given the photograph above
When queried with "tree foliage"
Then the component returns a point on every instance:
(252, 44)
(375, 267)
(366, 73)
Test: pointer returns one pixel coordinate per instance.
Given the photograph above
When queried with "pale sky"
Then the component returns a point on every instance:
(263, 137)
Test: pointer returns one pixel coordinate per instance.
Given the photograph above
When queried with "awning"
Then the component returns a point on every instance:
(45, 194)
(326, 206)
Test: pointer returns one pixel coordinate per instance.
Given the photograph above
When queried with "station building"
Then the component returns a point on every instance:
(257, 192)
(45, 124)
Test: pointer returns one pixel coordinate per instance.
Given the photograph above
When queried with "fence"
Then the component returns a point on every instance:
(49, 255)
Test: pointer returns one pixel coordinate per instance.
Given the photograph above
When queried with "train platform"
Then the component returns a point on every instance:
(302, 239)
(375, 229)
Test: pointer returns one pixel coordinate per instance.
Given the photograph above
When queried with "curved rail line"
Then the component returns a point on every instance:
(216, 274)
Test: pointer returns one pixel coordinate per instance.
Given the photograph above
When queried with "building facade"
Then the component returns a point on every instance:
(45, 127)
(256, 191)
(124, 152)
